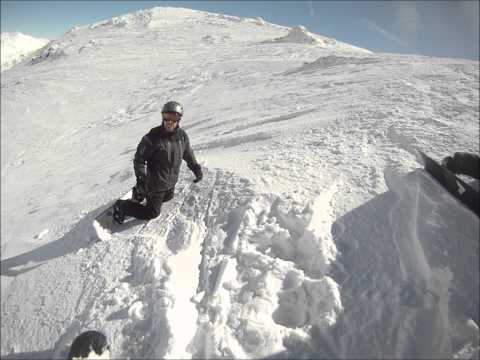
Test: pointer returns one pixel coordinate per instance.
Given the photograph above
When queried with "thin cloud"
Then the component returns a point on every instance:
(386, 34)
(469, 10)
(310, 8)
(408, 17)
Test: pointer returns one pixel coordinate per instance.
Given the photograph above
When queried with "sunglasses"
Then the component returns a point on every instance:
(171, 117)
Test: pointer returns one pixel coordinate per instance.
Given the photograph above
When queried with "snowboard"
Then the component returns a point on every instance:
(105, 226)
(453, 184)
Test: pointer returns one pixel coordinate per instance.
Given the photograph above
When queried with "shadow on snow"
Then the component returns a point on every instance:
(408, 272)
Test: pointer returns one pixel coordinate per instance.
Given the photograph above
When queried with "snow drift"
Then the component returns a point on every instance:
(300, 35)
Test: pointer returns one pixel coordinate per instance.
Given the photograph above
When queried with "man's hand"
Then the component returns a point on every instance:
(447, 162)
(198, 174)
(139, 191)
(198, 178)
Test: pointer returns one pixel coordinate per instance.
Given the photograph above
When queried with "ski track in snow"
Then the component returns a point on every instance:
(304, 239)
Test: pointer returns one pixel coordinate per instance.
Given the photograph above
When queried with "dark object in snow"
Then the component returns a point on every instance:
(157, 164)
(463, 163)
(462, 191)
(173, 106)
(109, 221)
(118, 214)
(142, 212)
(86, 342)
(159, 156)
(139, 191)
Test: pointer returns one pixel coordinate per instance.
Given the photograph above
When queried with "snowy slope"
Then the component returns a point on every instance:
(294, 244)
(15, 46)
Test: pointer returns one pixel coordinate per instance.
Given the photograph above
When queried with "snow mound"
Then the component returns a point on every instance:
(294, 233)
(330, 61)
(53, 52)
(137, 19)
(16, 46)
(236, 19)
(267, 282)
(92, 44)
(300, 35)
(216, 39)
(305, 302)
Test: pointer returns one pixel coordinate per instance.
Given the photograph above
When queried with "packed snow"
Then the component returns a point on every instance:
(16, 46)
(315, 232)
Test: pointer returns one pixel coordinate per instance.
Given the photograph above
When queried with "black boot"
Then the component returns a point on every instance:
(118, 214)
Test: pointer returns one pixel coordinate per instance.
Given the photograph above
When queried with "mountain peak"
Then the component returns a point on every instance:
(299, 34)
(157, 17)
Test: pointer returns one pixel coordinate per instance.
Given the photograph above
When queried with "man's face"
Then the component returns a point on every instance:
(170, 121)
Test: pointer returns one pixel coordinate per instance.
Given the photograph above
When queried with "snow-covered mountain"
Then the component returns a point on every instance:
(15, 46)
(314, 232)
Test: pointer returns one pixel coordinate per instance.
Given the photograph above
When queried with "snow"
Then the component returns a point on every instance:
(314, 233)
(17, 46)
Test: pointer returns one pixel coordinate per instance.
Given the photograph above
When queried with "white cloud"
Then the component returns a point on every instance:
(385, 33)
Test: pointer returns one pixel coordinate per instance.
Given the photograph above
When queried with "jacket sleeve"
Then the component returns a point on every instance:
(189, 157)
(143, 154)
(466, 164)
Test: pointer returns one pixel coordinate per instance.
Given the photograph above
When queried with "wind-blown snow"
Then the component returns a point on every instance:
(300, 35)
(16, 46)
(314, 233)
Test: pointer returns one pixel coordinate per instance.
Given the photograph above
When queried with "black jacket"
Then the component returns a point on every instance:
(159, 156)
(464, 163)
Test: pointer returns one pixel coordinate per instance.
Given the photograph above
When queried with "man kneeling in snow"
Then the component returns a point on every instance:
(157, 165)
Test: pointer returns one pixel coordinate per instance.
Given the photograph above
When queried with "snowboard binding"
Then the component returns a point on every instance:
(118, 214)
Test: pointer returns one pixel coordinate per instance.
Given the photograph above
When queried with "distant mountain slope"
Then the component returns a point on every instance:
(15, 46)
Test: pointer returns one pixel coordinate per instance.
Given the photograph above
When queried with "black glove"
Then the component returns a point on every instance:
(198, 174)
(447, 162)
(140, 170)
(139, 191)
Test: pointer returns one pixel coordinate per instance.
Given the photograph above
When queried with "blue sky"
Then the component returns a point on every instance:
(433, 28)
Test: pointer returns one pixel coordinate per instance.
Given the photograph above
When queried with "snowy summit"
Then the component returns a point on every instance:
(15, 46)
(315, 232)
